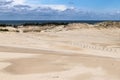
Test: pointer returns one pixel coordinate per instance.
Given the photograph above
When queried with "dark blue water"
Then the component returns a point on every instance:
(20, 22)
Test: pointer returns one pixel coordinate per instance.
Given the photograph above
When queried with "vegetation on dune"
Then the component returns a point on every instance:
(44, 24)
(4, 30)
(101, 24)
(5, 25)
(31, 30)
(38, 27)
(35, 24)
(108, 24)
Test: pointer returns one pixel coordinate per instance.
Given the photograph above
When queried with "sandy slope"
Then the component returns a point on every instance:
(85, 54)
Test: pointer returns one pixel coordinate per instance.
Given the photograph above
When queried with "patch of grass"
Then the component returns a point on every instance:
(109, 24)
(30, 30)
(4, 30)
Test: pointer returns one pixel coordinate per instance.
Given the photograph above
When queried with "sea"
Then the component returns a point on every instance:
(20, 22)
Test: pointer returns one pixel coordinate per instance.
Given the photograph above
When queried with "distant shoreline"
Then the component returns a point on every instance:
(43, 22)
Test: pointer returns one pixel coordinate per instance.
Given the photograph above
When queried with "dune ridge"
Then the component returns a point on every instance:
(47, 27)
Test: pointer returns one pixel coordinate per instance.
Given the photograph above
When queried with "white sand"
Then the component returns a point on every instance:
(85, 54)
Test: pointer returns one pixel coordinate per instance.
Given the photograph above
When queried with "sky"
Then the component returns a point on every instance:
(59, 10)
(86, 4)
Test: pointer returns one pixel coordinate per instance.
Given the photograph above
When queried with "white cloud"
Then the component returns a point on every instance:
(14, 1)
(33, 6)
(54, 7)
(57, 7)
(18, 2)
(5, 2)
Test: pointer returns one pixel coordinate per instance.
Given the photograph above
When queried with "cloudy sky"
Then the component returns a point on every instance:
(59, 10)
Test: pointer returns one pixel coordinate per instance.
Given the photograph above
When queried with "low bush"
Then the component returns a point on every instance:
(4, 30)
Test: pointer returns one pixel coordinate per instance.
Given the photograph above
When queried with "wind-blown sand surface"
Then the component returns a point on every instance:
(82, 54)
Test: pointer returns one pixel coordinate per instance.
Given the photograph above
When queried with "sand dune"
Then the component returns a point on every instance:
(72, 54)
